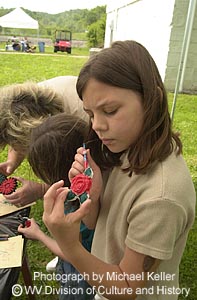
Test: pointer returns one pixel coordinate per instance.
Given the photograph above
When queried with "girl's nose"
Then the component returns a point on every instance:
(99, 124)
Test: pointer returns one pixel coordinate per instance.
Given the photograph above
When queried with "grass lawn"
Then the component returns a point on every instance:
(16, 67)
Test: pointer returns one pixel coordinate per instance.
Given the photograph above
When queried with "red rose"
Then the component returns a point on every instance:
(81, 184)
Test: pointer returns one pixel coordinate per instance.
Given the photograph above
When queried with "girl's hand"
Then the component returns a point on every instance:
(7, 167)
(78, 167)
(64, 228)
(14, 159)
(32, 232)
(29, 192)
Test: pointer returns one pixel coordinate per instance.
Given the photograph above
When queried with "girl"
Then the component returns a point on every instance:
(145, 207)
(53, 145)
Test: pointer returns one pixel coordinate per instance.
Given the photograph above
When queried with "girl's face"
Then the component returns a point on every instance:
(116, 114)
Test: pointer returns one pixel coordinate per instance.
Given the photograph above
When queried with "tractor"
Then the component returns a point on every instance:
(63, 41)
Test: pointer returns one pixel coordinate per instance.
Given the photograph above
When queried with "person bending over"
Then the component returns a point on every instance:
(24, 107)
(52, 148)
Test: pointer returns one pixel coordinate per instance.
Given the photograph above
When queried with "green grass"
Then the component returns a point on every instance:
(20, 67)
(185, 122)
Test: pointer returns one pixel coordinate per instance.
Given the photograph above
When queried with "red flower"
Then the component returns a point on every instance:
(8, 186)
(81, 184)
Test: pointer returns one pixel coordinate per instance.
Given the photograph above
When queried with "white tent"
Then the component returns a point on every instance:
(18, 19)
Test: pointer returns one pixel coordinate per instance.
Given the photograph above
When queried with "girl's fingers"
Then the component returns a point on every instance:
(80, 150)
(50, 196)
(80, 213)
(54, 214)
(19, 227)
(13, 196)
(57, 214)
(78, 167)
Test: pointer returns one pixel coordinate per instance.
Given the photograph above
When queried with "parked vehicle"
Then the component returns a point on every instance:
(63, 40)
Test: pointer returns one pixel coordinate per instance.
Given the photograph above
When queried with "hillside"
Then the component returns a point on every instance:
(77, 20)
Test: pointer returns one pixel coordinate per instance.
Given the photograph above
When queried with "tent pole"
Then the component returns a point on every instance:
(184, 53)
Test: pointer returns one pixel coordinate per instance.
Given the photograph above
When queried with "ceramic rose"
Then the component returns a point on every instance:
(80, 184)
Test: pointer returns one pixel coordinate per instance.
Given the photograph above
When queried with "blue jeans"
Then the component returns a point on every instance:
(73, 287)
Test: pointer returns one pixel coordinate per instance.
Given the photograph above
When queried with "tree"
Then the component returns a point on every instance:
(76, 20)
(96, 33)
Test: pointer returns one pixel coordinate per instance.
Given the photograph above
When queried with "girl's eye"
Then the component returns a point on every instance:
(112, 112)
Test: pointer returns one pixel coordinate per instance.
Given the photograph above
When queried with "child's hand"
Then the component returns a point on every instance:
(14, 159)
(29, 192)
(78, 167)
(32, 232)
(7, 167)
(64, 228)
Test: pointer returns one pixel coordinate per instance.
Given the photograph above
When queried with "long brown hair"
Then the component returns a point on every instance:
(53, 146)
(128, 64)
